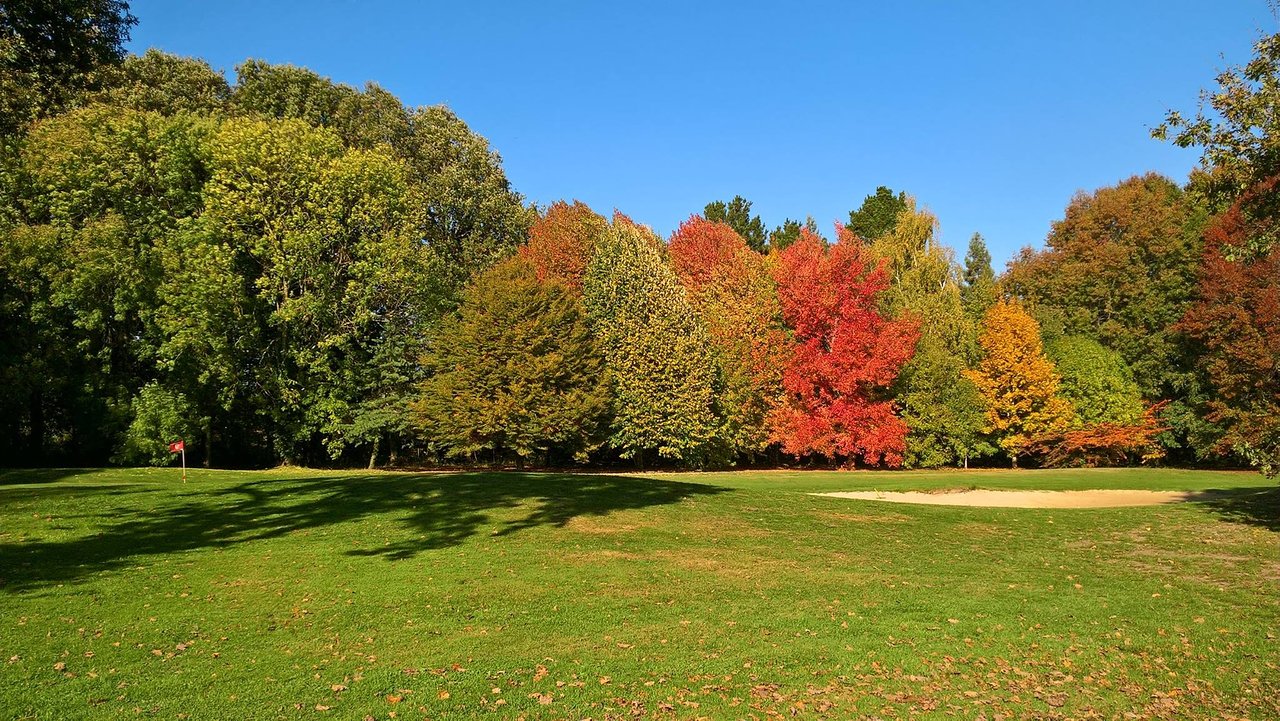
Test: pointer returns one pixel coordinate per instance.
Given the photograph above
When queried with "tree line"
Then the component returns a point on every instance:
(285, 269)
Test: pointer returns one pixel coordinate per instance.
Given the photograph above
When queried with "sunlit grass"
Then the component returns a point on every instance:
(290, 593)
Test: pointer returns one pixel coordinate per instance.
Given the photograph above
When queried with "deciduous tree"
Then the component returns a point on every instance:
(1237, 322)
(1017, 382)
(515, 371)
(734, 292)
(655, 347)
(845, 355)
(562, 240)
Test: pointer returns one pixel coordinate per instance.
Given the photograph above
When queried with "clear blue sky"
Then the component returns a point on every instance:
(991, 115)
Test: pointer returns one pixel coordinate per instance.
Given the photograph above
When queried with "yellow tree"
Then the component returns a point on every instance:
(1017, 381)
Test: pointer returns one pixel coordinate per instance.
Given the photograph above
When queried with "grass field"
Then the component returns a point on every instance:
(314, 594)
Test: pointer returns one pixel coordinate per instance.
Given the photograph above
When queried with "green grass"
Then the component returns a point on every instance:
(314, 594)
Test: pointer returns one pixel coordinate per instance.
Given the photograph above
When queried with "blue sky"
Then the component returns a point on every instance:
(993, 114)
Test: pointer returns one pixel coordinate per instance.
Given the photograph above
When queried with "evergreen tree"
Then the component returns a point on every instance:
(979, 289)
(737, 215)
(878, 214)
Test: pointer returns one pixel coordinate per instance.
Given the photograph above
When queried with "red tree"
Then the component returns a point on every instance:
(845, 356)
(561, 241)
(1237, 322)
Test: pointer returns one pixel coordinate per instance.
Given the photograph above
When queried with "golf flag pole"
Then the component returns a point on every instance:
(180, 447)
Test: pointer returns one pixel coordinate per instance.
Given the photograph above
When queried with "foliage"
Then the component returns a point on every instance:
(1236, 320)
(878, 214)
(160, 417)
(785, 235)
(562, 240)
(943, 410)
(1121, 268)
(1096, 381)
(979, 289)
(159, 82)
(1018, 383)
(734, 292)
(845, 355)
(49, 50)
(737, 215)
(940, 407)
(656, 349)
(1236, 125)
(515, 371)
(1103, 444)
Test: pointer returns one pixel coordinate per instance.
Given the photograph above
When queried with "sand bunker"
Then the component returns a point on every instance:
(1025, 499)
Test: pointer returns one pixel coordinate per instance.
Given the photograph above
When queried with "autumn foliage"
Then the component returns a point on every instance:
(733, 289)
(1237, 320)
(845, 354)
(561, 242)
(1103, 443)
(1016, 380)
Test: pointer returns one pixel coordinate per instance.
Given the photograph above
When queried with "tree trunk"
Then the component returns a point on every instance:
(393, 451)
(373, 455)
(1015, 460)
(640, 459)
(208, 443)
(35, 442)
(966, 460)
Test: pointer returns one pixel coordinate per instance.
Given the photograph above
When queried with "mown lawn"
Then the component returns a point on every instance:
(346, 595)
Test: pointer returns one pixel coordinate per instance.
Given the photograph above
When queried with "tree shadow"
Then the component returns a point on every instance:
(1254, 506)
(435, 511)
(35, 476)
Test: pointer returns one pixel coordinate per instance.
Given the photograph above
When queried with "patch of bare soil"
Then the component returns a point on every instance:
(1025, 499)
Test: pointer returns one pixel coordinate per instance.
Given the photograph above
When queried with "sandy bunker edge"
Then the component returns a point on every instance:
(1096, 498)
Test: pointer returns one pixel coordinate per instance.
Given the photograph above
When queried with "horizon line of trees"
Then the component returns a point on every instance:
(285, 269)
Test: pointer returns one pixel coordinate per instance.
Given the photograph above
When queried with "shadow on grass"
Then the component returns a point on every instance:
(435, 511)
(34, 476)
(1254, 506)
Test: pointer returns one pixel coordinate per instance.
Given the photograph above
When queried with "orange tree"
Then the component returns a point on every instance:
(1016, 380)
(733, 289)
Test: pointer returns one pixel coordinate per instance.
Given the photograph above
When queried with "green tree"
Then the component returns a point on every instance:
(737, 215)
(1096, 380)
(978, 291)
(160, 417)
(49, 50)
(878, 213)
(101, 188)
(655, 348)
(472, 218)
(515, 371)
(943, 410)
(1236, 126)
(159, 82)
(783, 236)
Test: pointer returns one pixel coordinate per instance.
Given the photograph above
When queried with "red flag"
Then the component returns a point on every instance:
(177, 447)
